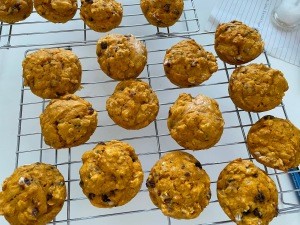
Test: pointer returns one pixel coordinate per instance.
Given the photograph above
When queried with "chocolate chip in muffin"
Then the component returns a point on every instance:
(105, 198)
(150, 184)
(257, 213)
(198, 164)
(260, 197)
(91, 196)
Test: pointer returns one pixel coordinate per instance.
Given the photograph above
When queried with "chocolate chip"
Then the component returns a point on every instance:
(167, 7)
(17, 7)
(27, 181)
(128, 36)
(150, 184)
(91, 19)
(81, 183)
(255, 175)
(105, 198)
(101, 143)
(89, 1)
(246, 212)
(103, 45)
(35, 212)
(167, 200)
(168, 64)
(49, 196)
(133, 158)
(260, 197)
(90, 110)
(91, 196)
(208, 196)
(187, 174)
(198, 164)
(257, 213)
(230, 180)
(268, 117)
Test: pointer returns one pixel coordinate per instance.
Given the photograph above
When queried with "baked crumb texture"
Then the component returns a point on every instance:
(133, 105)
(52, 73)
(275, 142)
(257, 88)
(195, 123)
(33, 194)
(12, 11)
(121, 57)
(237, 43)
(179, 186)
(162, 13)
(56, 11)
(101, 15)
(68, 122)
(246, 194)
(187, 64)
(111, 174)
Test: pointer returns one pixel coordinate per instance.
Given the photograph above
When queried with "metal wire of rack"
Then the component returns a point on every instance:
(151, 142)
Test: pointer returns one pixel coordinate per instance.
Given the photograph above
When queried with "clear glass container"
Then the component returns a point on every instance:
(286, 14)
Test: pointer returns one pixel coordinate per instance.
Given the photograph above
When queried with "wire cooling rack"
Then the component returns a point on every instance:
(151, 142)
(75, 31)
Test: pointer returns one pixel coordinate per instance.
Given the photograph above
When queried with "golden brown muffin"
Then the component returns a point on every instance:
(162, 13)
(133, 105)
(111, 174)
(68, 122)
(101, 15)
(256, 87)
(51, 73)
(187, 64)
(237, 43)
(12, 11)
(275, 143)
(121, 57)
(33, 194)
(195, 123)
(246, 194)
(56, 11)
(179, 186)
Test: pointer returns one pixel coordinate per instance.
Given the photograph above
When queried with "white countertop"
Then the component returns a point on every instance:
(10, 89)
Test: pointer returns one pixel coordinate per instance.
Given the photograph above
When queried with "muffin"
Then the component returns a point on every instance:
(56, 11)
(101, 15)
(162, 13)
(275, 142)
(246, 194)
(68, 122)
(187, 64)
(12, 11)
(52, 73)
(121, 57)
(133, 105)
(33, 194)
(111, 174)
(195, 123)
(237, 43)
(257, 88)
(179, 186)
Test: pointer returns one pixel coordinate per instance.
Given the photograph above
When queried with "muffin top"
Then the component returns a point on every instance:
(236, 43)
(187, 64)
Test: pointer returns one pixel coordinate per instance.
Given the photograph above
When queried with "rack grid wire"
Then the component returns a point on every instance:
(151, 142)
